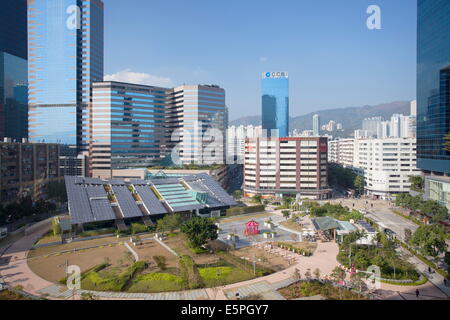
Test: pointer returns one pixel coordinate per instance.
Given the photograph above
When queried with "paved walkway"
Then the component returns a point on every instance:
(14, 268)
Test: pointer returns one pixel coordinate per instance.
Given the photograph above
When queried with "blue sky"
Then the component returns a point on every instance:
(333, 59)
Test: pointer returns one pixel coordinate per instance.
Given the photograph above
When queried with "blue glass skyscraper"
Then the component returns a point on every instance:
(275, 103)
(13, 69)
(65, 57)
(433, 85)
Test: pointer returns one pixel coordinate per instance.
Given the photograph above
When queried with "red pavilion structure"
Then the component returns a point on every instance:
(251, 228)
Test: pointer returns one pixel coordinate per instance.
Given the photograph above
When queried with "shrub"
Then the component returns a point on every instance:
(160, 262)
(138, 228)
(189, 273)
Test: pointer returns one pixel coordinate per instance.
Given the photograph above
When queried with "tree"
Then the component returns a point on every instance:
(338, 275)
(297, 274)
(238, 194)
(430, 240)
(287, 201)
(308, 274)
(417, 183)
(57, 191)
(359, 184)
(286, 214)
(408, 235)
(434, 209)
(357, 280)
(170, 222)
(318, 211)
(257, 199)
(199, 231)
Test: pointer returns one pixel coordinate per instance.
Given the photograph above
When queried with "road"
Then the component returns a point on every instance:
(392, 221)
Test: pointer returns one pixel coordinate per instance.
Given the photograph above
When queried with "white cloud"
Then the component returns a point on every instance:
(263, 59)
(139, 78)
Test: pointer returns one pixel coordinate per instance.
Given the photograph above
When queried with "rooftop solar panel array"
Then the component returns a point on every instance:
(101, 207)
(150, 200)
(93, 181)
(88, 200)
(126, 201)
(79, 206)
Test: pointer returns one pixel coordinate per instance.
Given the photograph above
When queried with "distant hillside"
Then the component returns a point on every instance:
(350, 117)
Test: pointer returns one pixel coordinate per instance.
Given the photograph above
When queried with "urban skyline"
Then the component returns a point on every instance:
(134, 186)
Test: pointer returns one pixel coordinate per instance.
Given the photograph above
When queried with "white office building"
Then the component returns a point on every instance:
(386, 164)
(340, 151)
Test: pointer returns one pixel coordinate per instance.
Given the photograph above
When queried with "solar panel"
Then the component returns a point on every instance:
(101, 207)
(151, 202)
(93, 181)
(78, 200)
(126, 202)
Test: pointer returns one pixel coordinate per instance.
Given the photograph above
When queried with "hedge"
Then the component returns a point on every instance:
(245, 210)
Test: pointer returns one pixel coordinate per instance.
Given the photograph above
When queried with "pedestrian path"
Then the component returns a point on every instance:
(435, 278)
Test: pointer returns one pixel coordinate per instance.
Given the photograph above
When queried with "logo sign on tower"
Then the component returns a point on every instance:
(275, 75)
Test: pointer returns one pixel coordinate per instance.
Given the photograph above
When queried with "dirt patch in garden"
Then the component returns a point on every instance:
(52, 267)
(42, 251)
(264, 258)
(150, 249)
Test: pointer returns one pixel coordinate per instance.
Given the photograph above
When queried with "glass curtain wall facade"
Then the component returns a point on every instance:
(65, 57)
(13, 70)
(126, 127)
(196, 122)
(433, 85)
(275, 103)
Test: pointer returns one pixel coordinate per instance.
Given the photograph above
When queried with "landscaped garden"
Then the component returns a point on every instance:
(198, 260)
(310, 288)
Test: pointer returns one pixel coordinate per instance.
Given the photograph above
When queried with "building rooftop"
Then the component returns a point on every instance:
(94, 200)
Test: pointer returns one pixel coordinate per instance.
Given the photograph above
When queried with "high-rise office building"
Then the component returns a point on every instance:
(65, 58)
(196, 122)
(433, 97)
(275, 103)
(316, 125)
(433, 85)
(126, 127)
(13, 70)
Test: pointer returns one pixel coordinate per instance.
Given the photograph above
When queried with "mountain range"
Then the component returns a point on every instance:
(350, 117)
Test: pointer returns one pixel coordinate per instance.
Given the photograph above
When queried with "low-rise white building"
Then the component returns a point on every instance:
(386, 164)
